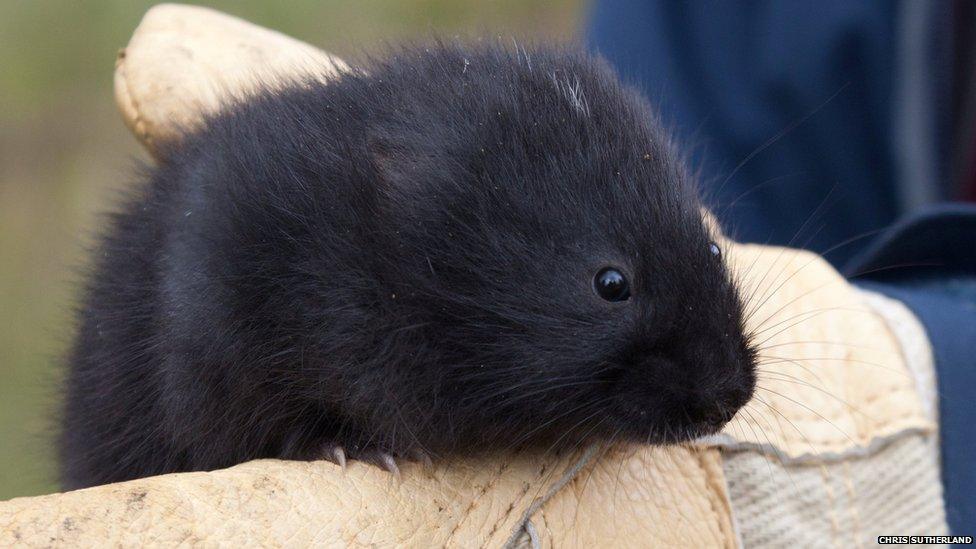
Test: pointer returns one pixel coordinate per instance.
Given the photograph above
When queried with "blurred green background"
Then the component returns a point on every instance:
(64, 152)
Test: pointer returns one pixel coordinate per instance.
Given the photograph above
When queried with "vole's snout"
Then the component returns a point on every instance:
(666, 397)
(724, 387)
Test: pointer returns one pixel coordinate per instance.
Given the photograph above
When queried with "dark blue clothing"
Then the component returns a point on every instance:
(938, 242)
(797, 110)
(813, 80)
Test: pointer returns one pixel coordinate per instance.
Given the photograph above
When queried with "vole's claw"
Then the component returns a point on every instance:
(423, 457)
(384, 460)
(336, 454)
(388, 463)
(340, 457)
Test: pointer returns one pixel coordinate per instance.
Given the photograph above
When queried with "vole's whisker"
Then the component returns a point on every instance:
(727, 207)
(813, 259)
(752, 419)
(508, 388)
(773, 287)
(802, 316)
(779, 414)
(763, 322)
(896, 266)
(795, 362)
(567, 432)
(769, 359)
(792, 379)
(525, 395)
(782, 133)
(818, 414)
(828, 342)
(795, 252)
(778, 453)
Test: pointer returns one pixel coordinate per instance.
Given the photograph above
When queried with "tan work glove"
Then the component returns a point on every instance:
(815, 329)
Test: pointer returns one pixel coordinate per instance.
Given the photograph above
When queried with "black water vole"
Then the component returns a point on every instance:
(460, 249)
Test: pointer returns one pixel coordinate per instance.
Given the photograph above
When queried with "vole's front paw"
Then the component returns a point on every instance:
(386, 460)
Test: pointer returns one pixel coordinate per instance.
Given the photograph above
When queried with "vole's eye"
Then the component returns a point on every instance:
(611, 284)
(716, 251)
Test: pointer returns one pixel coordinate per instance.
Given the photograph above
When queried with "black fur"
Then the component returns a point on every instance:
(403, 260)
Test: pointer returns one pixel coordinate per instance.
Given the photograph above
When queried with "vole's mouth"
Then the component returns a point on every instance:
(662, 430)
(670, 408)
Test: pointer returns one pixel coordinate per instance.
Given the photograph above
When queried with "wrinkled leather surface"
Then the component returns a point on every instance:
(642, 497)
(183, 61)
(833, 376)
(625, 497)
(296, 504)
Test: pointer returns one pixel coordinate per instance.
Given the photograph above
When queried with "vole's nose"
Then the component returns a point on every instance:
(715, 414)
(708, 395)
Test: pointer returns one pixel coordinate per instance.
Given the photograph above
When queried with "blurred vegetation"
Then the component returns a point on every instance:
(64, 151)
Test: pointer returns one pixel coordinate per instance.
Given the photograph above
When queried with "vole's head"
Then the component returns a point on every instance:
(548, 270)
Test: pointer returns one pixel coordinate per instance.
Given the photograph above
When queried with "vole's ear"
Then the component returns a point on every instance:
(402, 162)
(385, 155)
(389, 158)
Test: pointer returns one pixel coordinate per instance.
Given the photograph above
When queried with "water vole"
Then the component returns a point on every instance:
(458, 249)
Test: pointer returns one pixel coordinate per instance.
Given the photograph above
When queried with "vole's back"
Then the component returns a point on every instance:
(404, 261)
(193, 309)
